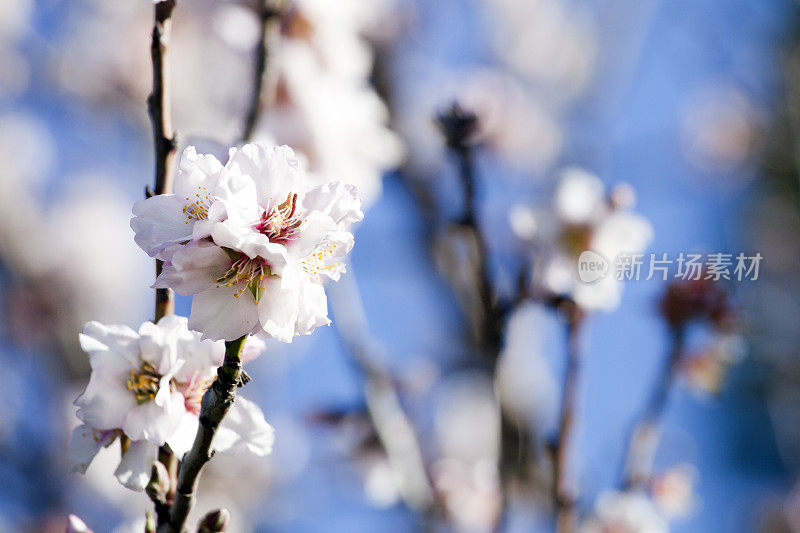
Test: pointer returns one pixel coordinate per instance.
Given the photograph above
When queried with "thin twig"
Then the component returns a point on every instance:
(565, 488)
(215, 404)
(160, 111)
(459, 127)
(644, 438)
(394, 430)
(268, 11)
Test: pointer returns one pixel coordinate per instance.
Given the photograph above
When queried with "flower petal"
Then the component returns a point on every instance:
(136, 465)
(218, 314)
(84, 445)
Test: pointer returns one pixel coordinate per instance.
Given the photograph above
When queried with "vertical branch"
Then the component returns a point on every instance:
(268, 10)
(459, 126)
(565, 489)
(160, 111)
(644, 438)
(215, 404)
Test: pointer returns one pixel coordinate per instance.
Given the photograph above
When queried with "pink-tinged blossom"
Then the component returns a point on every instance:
(146, 388)
(268, 240)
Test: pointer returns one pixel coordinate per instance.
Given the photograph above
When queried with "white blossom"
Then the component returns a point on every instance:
(325, 105)
(625, 512)
(266, 242)
(581, 217)
(146, 386)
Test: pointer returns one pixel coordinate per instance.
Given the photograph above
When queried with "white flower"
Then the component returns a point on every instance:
(338, 123)
(258, 268)
(129, 388)
(581, 218)
(162, 223)
(625, 512)
(146, 386)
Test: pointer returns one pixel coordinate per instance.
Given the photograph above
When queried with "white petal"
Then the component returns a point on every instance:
(338, 200)
(76, 525)
(218, 314)
(119, 340)
(158, 343)
(245, 429)
(273, 169)
(196, 171)
(317, 227)
(136, 465)
(181, 441)
(84, 445)
(105, 402)
(578, 196)
(622, 231)
(159, 224)
(277, 310)
(250, 242)
(152, 422)
(313, 310)
(193, 269)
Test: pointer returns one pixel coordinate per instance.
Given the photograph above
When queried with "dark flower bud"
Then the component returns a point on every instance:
(687, 301)
(215, 522)
(458, 125)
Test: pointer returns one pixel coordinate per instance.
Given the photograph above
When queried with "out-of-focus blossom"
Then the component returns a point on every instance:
(581, 218)
(705, 370)
(516, 126)
(467, 426)
(673, 491)
(209, 61)
(625, 512)
(261, 240)
(550, 43)
(324, 105)
(146, 388)
(471, 492)
(76, 525)
(525, 381)
(70, 257)
(721, 131)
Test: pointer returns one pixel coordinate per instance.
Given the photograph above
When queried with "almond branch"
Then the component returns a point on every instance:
(215, 404)
(160, 111)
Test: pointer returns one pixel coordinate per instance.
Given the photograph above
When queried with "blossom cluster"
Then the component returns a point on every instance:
(324, 104)
(252, 240)
(145, 389)
(581, 217)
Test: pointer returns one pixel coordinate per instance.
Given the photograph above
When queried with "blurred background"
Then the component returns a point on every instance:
(435, 401)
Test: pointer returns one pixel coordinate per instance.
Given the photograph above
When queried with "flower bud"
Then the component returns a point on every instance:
(215, 522)
(459, 126)
(149, 523)
(159, 482)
